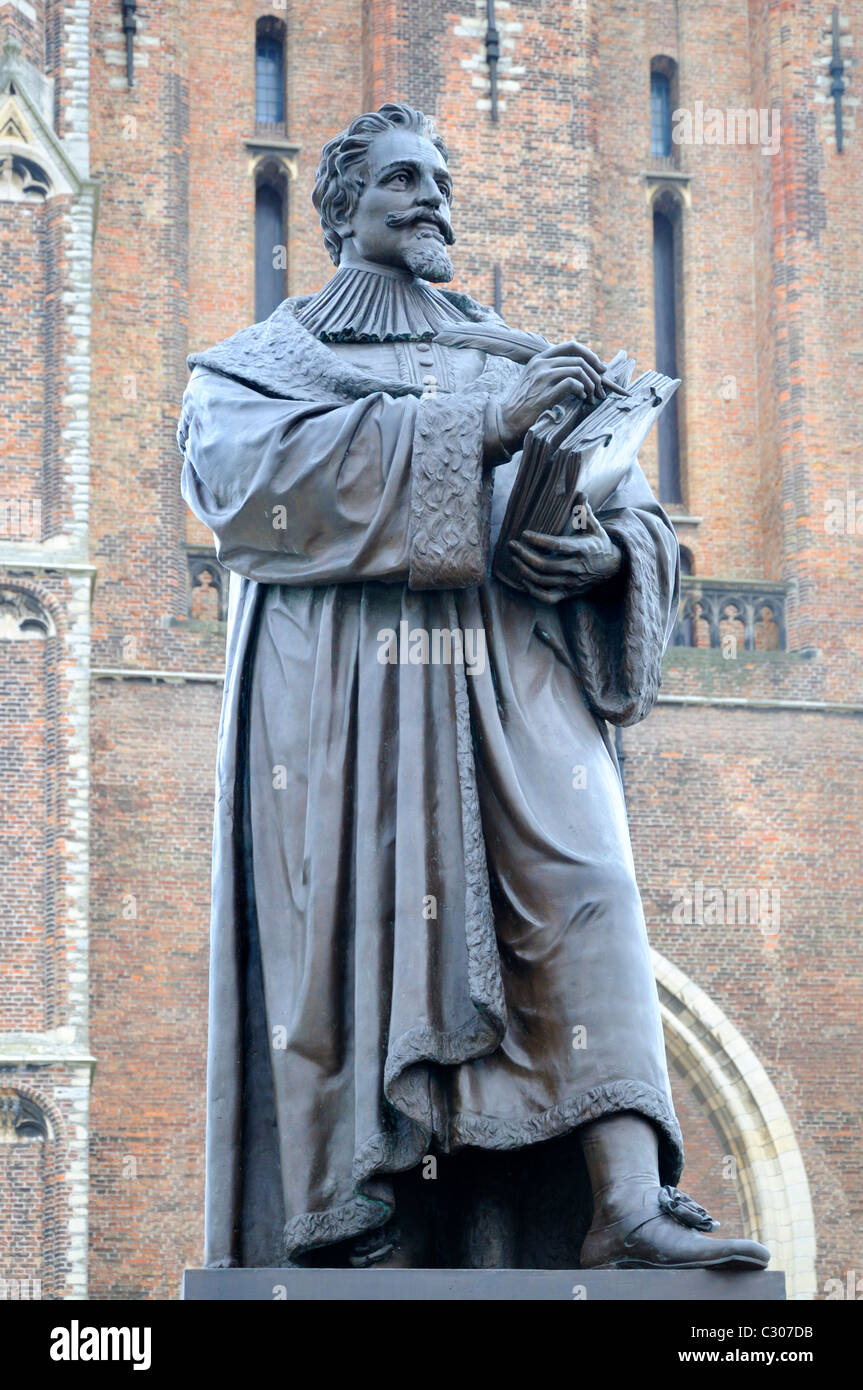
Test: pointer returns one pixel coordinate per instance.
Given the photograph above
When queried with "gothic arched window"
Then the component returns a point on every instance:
(663, 100)
(660, 115)
(666, 318)
(269, 72)
(270, 244)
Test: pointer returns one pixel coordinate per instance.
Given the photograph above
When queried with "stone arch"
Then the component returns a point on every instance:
(744, 1107)
(23, 1116)
(23, 614)
(669, 194)
(664, 63)
(33, 1163)
(33, 167)
(53, 613)
(23, 180)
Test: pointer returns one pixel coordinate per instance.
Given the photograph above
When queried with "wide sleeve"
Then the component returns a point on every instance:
(307, 492)
(618, 633)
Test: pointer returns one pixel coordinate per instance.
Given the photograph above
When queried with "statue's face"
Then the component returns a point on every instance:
(402, 218)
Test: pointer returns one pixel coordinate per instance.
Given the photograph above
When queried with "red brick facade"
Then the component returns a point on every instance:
(746, 776)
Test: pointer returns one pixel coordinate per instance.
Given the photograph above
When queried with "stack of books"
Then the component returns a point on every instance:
(576, 452)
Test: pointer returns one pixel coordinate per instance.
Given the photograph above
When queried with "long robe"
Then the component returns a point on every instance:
(426, 933)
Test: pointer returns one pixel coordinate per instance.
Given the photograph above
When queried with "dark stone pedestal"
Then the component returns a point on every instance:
(481, 1285)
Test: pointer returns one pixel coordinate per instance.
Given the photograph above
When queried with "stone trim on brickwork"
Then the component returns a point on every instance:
(42, 561)
(755, 702)
(48, 1049)
(672, 182)
(26, 131)
(141, 673)
(510, 74)
(282, 155)
(743, 1105)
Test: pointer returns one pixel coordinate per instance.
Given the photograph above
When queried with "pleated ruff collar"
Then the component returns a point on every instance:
(366, 303)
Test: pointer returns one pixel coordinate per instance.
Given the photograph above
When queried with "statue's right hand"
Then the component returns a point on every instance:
(559, 371)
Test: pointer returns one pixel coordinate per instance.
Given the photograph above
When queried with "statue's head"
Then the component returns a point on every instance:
(383, 192)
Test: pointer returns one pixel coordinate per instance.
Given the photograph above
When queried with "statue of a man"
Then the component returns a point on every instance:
(434, 1031)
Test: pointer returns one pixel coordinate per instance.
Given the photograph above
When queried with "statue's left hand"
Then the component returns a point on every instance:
(554, 568)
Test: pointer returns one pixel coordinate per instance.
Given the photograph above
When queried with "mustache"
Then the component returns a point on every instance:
(414, 215)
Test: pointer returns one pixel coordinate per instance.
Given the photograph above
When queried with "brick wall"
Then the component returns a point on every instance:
(737, 800)
(558, 194)
(154, 750)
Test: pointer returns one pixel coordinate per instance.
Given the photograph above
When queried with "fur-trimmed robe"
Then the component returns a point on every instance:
(426, 932)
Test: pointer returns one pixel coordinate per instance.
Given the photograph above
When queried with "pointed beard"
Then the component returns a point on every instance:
(429, 262)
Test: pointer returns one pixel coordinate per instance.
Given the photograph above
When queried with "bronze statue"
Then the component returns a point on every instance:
(434, 1030)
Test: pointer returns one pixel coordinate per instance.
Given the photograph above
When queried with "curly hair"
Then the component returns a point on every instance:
(339, 179)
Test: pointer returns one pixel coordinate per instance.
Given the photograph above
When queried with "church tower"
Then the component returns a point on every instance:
(682, 180)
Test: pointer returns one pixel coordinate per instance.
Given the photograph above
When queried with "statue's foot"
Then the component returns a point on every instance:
(667, 1231)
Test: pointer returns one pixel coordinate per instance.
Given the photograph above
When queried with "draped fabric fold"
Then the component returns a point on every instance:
(618, 636)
